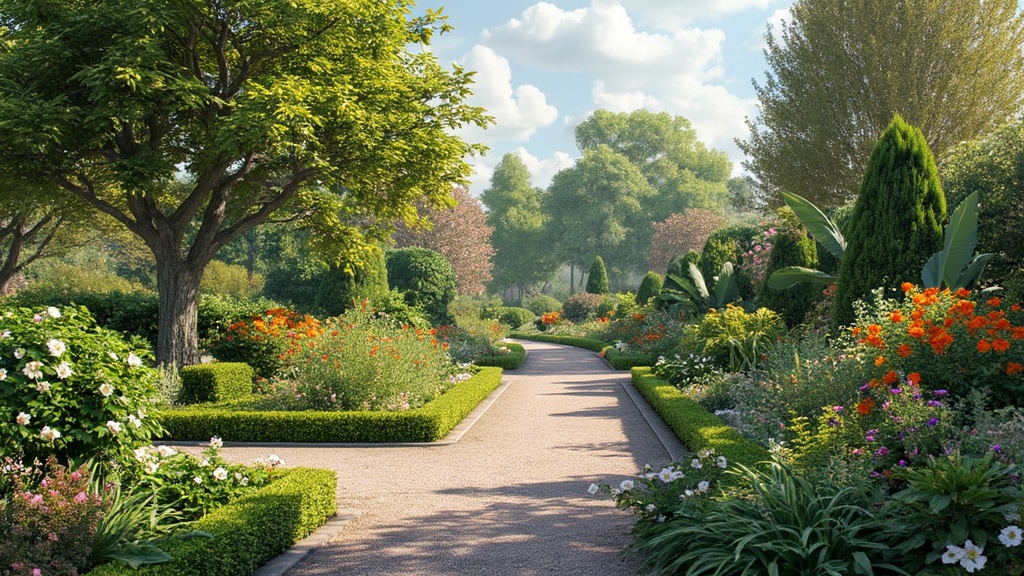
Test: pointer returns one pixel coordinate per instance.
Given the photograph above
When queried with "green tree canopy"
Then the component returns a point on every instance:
(896, 223)
(317, 108)
(841, 69)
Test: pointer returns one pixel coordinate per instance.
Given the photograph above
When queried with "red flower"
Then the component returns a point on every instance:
(904, 350)
(1013, 368)
(983, 346)
(864, 406)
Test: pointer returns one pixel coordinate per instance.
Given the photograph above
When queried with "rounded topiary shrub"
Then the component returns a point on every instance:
(728, 245)
(581, 307)
(341, 288)
(71, 388)
(597, 281)
(650, 287)
(514, 317)
(791, 246)
(542, 304)
(425, 279)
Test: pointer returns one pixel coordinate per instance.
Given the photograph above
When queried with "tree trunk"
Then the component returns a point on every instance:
(572, 278)
(178, 287)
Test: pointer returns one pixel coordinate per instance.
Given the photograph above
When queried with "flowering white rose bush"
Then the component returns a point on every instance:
(71, 389)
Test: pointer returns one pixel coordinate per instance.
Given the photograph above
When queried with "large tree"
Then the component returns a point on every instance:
(841, 69)
(257, 106)
(461, 234)
(665, 148)
(679, 234)
(516, 213)
(598, 207)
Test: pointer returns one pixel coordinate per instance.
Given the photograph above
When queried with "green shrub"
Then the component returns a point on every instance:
(728, 245)
(425, 278)
(681, 266)
(650, 287)
(216, 382)
(510, 360)
(733, 338)
(514, 317)
(249, 531)
(580, 307)
(625, 360)
(597, 281)
(341, 288)
(234, 422)
(541, 305)
(896, 223)
(233, 280)
(71, 388)
(695, 427)
(588, 343)
(791, 246)
(294, 286)
(607, 305)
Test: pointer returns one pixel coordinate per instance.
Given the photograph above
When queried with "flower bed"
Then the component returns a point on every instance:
(425, 424)
(510, 360)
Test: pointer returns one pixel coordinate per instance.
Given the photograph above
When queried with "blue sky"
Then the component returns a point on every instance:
(543, 67)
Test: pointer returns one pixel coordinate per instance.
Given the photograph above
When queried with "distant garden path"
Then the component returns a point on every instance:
(510, 497)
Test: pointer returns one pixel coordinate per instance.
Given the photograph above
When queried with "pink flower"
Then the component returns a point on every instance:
(80, 497)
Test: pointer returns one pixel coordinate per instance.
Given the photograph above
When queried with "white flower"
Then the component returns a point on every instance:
(134, 421)
(722, 462)
(49, 434)
(661, 519)
(244, 481)
(3, 374)
(972, 560)
(197, 480)
(43, 386)
(56, 347)
(114, 427)
(666, 475)
(952, 555)
(5, 334)
(141, 454)
(695, 463)
(106, 389)
(626, 485)
(615, 492)
(112, 355)
(220, 473)
(593, 489)
(216, 443)
(18, 353)
(650, 508)
(134, 361)
(703, 485)
(64, 371)
(1010, 536)
(152, 467)
(166, 451)
(33, 370)
(687, 493)
(1010, 516)
(23, 419)
(273, 460)
(53, 312)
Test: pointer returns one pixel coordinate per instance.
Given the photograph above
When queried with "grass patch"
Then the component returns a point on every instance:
(511, 361)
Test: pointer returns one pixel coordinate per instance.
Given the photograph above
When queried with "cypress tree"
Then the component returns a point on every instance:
(597, 283)
(649, 288)
(340, 288)
(896, 223)
(791, 246)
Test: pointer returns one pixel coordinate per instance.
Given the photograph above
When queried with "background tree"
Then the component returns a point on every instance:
(265, 106)
(665, 148)
(842, 68)
(515, 213)
(597, 279)
(341, 287)
(679, 234)
(460, 233)
(597, 207)
(744, 194)
(994, 168)
(896, 223)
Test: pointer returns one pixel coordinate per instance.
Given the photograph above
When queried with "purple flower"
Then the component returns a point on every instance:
(941, 392)
(875, 474)
(902, 463)
(864, 388)
(897, 391)
(870, 436)
(881, 451)
(833, 422)
(933, 421)
(996, 448)
(933, 404)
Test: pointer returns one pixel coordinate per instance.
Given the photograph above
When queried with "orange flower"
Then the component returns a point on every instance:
(890, 378)
(896, 316)
(1001, 345)
(864, 406)
(965, 307)
(994, 302)
(939, 340)
(904, 350)
(856, 330)
(1015, 307)
(977, 322)
(874, 329)
(874, 383)
(907, 287)
(914, 378)
(880, 360)
(1013, 368)
(1017, 333)
(983, 346)
(963, 293)
(915, 331)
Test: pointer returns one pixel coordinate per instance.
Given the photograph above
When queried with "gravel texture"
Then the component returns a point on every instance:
(509, 498)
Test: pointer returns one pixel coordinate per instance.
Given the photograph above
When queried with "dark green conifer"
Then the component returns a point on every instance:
(597, 282)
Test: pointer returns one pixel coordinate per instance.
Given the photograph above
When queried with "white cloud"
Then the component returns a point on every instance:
(668, 15)
(518, 112)
(543, 170)
(757, 38)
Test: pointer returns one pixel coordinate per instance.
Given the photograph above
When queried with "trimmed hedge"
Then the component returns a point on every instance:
(511, 361)
(425, 424)
(695, 427)
(588, 343)
(513, 316)
(249, 531)
(626, 360)
(216, 382)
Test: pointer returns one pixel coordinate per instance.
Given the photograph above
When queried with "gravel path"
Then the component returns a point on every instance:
(509, 498)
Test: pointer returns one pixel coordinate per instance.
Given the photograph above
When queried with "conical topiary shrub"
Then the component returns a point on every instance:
(791, 246)
(340, 288)
(597, 282)
(650, 287)
(896, 223)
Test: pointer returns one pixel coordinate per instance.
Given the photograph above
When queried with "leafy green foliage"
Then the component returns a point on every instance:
(650, 287)
(791, 246)
(692, 294)
(511, 358)
(514, 317)
(728, 245)
(230, 280)
(216, 382)
(341, 288)
(72, 389)
(897, 221)
(734, 338)
(956, 266)
(581, 307)
(597, 281)
(542, 304)
(425, 279)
